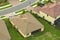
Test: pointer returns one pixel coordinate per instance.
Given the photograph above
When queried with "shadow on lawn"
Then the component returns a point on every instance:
(57, 27)
(38, 34)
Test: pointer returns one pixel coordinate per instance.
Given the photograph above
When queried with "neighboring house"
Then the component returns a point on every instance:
(26, 24)
(57, 0)
(50, 12)
(4, 34)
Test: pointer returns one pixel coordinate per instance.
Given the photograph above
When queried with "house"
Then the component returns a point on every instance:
(26, 24)
(57, 0)
(4, 34)
(49, 12)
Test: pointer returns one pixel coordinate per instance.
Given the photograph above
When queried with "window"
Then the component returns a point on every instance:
(47, 14)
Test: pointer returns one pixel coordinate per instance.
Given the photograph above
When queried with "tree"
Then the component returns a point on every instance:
(46, 1)
(23, 11)
(1, 1)
(5, 0)
(50, 1)
(38, 4)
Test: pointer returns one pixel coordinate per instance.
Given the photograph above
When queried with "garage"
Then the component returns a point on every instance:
(57, 22)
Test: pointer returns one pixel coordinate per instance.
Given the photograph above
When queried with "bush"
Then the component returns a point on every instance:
(1, 1)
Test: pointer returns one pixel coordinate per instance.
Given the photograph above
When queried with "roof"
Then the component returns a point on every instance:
(37, 9)
(52, 9)
(4, 34)
(58, 0)
(26, 23)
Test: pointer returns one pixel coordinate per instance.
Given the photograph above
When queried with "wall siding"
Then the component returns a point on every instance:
(58, 17)
(48, 18)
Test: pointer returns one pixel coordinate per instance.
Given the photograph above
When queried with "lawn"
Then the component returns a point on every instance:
(4, 3)
(22, 0)
(5, 7)
(50, 32)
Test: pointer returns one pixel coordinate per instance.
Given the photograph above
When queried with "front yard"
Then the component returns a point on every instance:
(50, 32)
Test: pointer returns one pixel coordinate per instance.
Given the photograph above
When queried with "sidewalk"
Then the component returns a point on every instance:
(11, 14)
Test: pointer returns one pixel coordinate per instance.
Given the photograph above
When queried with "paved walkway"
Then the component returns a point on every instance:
(9, 15)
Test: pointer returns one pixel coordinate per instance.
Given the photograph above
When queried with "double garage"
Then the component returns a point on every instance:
(57, 22)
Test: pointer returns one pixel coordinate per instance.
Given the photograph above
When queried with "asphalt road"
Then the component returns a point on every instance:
(17, 7)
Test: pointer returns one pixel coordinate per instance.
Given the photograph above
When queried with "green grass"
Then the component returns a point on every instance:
(23, 0)
(22, 11)
(5, 3)
(2, 16)
(6, 7)
(33, 4)
(50, 32)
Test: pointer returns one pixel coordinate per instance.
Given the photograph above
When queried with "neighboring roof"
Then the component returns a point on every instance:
(4, 34)
(26, 23)
(58, 0)
(51, 9)
(37, 9)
